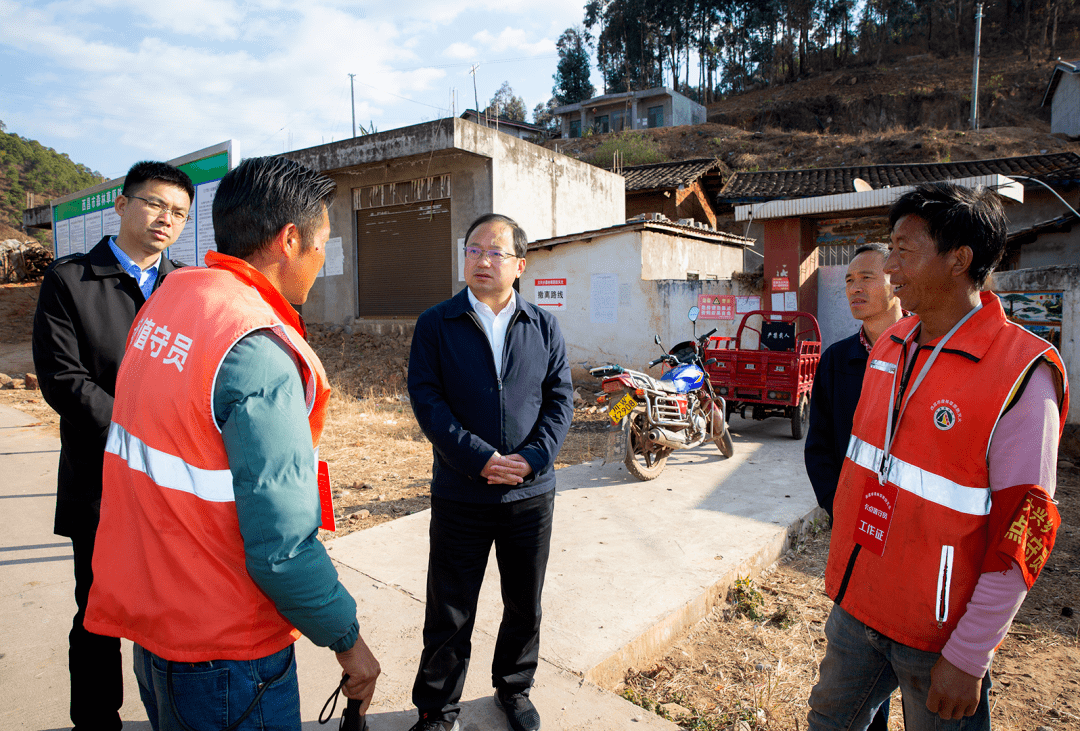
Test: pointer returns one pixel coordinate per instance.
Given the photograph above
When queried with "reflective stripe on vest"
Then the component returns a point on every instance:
(920, 482)
(169, 471)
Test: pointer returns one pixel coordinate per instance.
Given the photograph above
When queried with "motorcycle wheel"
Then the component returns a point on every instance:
(720, 433)
(800, 415)
(644, 461)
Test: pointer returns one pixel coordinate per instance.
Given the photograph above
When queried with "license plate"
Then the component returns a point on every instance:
(621, 408)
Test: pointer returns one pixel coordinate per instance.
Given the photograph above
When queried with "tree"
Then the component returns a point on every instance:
(543, 117)
(572, 82)
(505, 104)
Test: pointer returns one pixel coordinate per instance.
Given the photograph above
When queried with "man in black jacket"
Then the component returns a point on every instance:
(490, 386)
(86, 307)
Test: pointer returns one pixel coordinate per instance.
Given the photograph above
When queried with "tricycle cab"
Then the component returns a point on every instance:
(768, 366)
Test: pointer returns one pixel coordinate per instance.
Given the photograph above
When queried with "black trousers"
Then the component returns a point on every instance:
(461, 537)
(97, 675)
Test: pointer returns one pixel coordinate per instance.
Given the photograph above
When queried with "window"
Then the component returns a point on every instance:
(601, 124)
(575, 128)
(656, 117)
(693, 276)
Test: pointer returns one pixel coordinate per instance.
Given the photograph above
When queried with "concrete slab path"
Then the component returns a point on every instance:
(633, 566)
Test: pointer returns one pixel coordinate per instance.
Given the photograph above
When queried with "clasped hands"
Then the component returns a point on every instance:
(511, 469)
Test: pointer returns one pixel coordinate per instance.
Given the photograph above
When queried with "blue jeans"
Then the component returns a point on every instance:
(209, 696)
(860, 671)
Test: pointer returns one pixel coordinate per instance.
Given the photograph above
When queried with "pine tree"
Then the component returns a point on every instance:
(572, 82)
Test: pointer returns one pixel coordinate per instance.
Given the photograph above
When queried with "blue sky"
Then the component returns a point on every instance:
(111, 82)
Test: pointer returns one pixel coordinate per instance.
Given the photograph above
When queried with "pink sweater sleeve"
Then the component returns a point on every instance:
(1023, 451)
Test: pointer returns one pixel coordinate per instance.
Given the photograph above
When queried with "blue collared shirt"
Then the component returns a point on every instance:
(144, 277)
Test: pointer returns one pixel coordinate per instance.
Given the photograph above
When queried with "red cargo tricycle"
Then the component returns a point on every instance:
(768, 367)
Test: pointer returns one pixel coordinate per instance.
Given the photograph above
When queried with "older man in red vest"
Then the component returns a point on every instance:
(944, 514)
(207, 555)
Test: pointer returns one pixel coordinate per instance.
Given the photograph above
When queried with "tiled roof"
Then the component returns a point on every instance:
(1061, 168)
(664, 175)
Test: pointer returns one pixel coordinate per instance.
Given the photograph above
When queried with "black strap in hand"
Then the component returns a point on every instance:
(351, 718)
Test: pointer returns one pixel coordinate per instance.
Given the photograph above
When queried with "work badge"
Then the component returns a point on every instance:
(875, 516)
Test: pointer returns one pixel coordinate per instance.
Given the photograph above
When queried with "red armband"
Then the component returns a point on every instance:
(1023, 525)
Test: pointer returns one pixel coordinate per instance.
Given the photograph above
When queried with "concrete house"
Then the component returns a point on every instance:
(683, 190)
(659, 107)
(612, 288)
(1063, 97)
(406, 197)
(521, 130)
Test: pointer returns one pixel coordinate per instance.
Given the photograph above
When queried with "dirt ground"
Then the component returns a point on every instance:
(756, 658)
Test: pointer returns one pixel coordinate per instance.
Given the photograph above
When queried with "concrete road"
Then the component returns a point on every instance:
(633, 566)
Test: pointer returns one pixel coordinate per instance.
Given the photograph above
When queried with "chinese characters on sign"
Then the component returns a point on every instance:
(780, 284)
(716, 307)
(551, 293)
(159, 337)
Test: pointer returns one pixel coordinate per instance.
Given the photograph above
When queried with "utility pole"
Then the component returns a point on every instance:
(975, 69)
(476, 99)
(352, 100)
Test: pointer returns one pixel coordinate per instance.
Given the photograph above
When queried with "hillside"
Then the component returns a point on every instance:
(27, 166)
(908, 111)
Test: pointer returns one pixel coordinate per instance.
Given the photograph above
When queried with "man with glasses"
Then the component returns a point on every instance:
(490, 386)
(86, 306)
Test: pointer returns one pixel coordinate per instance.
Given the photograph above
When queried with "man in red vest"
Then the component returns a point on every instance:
(207, 555)
(944, 514)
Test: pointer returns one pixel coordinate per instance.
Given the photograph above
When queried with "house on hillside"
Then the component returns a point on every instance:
(521, 130)
(612, 288)
(1063, 97)
(407, 196)
(683, 190)
(659, 107)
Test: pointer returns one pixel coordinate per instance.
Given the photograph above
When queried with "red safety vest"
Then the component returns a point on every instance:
(169, 568)
(911, 531)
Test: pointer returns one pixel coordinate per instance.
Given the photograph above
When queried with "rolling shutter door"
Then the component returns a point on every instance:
(404, 259)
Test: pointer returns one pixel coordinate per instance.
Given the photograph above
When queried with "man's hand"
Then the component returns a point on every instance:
(953, 693)
(362, 668)
(509, 470)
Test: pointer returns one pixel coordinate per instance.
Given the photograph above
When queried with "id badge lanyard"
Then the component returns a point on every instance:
(894, 418)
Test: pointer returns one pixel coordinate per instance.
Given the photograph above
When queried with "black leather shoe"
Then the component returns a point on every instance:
(521, 714)
(436, 724)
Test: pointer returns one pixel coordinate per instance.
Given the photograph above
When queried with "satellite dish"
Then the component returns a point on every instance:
(861, 186)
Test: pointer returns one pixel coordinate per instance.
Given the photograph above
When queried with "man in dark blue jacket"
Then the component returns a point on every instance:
(490, 386)
(838, 383)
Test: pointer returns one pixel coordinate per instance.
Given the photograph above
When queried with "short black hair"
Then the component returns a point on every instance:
(521, 241)
(262, 195)
(958, 216)
(150, 170)
(872, 246)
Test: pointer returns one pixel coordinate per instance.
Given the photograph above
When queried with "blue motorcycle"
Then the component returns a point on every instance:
(652, 417)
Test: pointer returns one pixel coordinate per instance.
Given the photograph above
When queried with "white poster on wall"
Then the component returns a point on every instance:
(183, 249)
(749, 303)
(204, 218)
(778, 302)
(77, 235)
(461, 260)
(61, 244)
(93, 229)
(604, 299)
(110, 222)
(791, 301)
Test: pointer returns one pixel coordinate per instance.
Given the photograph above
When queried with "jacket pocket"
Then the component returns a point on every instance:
(944, 583)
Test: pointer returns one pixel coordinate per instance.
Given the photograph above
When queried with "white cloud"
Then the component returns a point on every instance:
(460, 51)
(515, 39)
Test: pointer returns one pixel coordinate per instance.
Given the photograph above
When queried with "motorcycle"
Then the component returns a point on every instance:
(651, 418)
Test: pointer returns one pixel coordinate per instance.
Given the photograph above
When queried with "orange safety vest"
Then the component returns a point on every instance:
(934, 483)
(169, 569)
